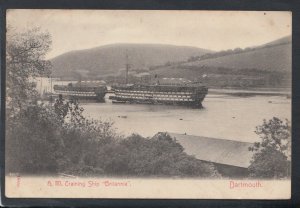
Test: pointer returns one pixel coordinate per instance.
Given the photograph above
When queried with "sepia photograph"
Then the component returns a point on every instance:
(148, 104)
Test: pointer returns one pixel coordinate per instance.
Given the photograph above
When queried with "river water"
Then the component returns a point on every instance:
(223, 116)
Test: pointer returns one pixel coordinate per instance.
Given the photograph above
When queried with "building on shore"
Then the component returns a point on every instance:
(231, 158)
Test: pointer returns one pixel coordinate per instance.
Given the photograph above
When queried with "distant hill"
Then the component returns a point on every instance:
(267, 65)
(111, 59)
(271, 58)
(284, 40)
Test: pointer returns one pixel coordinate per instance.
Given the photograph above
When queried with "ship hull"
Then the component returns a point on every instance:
(155, 102)
(160, 95)
(87, 97)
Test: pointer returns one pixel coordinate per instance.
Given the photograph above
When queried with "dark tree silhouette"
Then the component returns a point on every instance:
(273, 153)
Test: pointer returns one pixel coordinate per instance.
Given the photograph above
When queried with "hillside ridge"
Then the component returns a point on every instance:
(109, 59)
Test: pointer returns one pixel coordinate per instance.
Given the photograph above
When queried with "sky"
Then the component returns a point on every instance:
(214, 30)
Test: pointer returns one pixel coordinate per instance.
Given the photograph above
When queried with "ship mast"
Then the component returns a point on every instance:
(127, 67)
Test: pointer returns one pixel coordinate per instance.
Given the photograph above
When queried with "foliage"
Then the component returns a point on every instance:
(80, 135)
(25, 60)
(159, 156)
(32, 141)
(269, 163)
(273, 153)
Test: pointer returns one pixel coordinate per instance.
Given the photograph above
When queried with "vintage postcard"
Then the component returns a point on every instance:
(148, 104)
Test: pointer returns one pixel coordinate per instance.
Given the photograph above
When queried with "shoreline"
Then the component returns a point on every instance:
(251, 92)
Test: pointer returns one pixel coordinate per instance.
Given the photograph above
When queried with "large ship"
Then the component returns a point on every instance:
(173, 91)
(82, 90)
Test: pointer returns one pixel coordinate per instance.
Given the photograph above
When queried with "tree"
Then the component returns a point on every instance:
(82, 139)
(161, 156)
(237, 50)
(33, 142)
(26, 121)
(25, 60)
(273, 153)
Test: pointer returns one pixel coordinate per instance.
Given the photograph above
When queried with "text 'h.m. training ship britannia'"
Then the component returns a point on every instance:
(173, 91)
